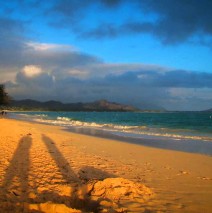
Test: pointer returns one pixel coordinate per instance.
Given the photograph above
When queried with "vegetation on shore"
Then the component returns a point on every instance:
(4, 97)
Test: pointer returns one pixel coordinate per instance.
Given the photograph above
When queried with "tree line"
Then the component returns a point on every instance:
(4, 97)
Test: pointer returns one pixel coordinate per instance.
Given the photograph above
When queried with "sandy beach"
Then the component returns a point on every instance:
(49, 169)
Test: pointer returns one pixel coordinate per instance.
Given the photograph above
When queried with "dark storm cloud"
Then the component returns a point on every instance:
(112, 3)
(12, 41)
(71, 13)
(179, 20)
(72, 8)
(172, 21)
(175, 20)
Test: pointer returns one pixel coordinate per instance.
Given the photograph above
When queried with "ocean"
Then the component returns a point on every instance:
(172, 127)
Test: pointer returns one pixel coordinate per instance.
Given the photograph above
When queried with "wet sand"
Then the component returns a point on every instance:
(183, 145)
(48, 169)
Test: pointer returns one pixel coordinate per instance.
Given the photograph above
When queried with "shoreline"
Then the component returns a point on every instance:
(161, 142)
(54, 159)
(182, 145)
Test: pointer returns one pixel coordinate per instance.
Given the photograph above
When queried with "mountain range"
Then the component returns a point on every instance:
(101, 105)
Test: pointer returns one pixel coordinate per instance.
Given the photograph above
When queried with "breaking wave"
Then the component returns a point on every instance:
(123, 130)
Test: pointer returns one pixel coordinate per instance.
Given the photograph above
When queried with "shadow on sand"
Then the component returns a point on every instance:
(75, 200)
(16, 182)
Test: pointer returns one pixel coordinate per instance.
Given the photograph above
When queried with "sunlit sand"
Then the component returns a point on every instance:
(48, 169)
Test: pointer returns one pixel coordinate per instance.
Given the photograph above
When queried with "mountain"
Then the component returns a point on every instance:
(101, 105)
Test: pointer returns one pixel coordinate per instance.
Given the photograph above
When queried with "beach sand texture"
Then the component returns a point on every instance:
(48, 169)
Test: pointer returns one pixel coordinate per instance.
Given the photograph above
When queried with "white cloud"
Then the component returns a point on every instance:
(31, 71)
(49, 47)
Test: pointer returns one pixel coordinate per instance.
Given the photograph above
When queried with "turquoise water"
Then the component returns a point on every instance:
(176, 125)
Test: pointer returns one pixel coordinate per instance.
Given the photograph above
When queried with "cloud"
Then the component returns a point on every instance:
(179, 79)
(17, 52)
(49, 47)
(31, 71)
(173, 89)
(28, 58)
(12, 41)
(180, 20)
(166, 79)
(53, 55)
(172, 23)
(190, 98)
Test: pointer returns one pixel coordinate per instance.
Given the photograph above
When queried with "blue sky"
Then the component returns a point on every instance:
(158, 52)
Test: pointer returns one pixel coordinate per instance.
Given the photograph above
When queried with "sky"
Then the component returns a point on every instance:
(147, 53)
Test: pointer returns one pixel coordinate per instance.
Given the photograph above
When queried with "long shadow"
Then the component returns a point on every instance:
(63, 165)
(83, 203)
(15, 183)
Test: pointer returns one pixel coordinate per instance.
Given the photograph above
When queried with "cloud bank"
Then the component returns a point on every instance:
(141, 88)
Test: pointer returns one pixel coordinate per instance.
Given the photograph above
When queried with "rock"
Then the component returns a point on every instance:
(114, 193)
(119, 188)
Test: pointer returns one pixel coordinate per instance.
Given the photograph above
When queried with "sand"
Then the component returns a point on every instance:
(49, 169)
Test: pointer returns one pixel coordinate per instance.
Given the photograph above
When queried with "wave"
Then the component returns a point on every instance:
(124, 130)
(63, 118)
